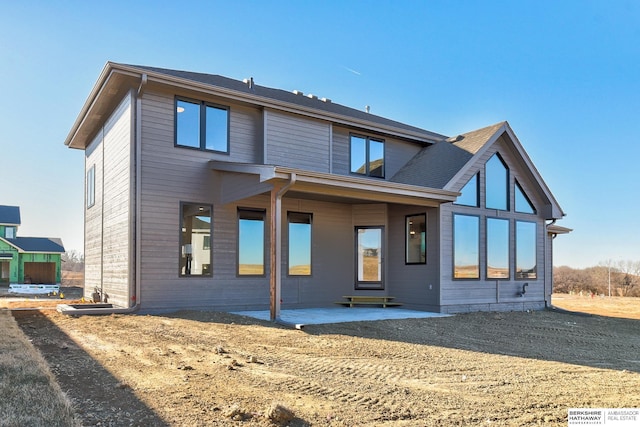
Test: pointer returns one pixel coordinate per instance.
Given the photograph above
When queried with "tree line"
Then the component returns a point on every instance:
(621, 278)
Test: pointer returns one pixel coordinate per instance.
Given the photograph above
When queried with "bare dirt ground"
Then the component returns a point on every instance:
(201, 368)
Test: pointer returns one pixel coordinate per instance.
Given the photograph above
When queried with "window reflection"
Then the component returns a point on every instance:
(367, 156)
(195, 244)
(216, 134)
(466, 256)
(526, 249)
(358, 155)
(469, 193)
(497, 248)
(376, 158)
(497, 183)
(299, 244)
(523, 204)
(369, 253)
(416, 250)
(250, 243)
(187, 123)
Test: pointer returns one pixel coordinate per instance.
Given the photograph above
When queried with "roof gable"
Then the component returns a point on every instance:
(445, 164)
(436, 165)
(36, 244)
(9, 215)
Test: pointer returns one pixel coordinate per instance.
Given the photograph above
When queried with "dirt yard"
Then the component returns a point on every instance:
(197, 368)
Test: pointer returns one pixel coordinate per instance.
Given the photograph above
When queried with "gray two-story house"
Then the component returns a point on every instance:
(204, 192)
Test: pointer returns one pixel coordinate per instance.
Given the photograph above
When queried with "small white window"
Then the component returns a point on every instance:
(91, 186)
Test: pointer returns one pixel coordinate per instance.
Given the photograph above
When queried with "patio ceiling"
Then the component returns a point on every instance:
(326, 187)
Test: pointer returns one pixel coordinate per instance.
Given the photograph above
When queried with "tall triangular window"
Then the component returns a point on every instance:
(523, 204)
(469, 193)
(497, 184)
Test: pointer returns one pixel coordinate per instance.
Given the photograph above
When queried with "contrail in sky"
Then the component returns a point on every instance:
(357, 73)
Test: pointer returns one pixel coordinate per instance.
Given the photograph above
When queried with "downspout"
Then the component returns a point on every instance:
(69, 310)
(276, 244)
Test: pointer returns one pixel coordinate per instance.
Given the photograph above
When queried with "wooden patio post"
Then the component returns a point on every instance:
(274, 247)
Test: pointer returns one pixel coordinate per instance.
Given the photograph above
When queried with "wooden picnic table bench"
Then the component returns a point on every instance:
(352, 300)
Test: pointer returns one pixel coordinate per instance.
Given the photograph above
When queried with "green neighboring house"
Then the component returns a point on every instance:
(27, 260)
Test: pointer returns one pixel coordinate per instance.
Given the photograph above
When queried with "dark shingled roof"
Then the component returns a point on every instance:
(9, 215)
(286, 96)
(434, 166)
(37, 244)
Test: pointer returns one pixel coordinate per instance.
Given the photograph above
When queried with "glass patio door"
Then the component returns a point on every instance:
(369, 258)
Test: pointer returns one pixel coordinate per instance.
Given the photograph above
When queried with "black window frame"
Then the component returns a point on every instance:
(203, 105)
(209, 271)
(367, 164)
(406, 238)
(289, 215)
(506, 184)
(476, 176)
(257, 214)
(453, 247)
(519, 273)
(519, 188)
(510, 250)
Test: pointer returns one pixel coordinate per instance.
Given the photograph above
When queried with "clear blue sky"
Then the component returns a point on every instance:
(565, 74)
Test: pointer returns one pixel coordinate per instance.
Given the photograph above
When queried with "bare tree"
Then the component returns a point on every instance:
(630, 270)
(72, 261)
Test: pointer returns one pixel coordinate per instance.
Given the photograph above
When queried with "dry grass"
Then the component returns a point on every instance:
(29, 394)
(623, 307)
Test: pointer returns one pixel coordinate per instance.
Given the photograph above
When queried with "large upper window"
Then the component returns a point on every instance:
(497, 248)
(195, 240)
(299, 244)
(91, 186)
(469, 193)
(416, 235)
(251, 242)
(202, 125)
(497, 184)
(367, 156)
(526, 248)
(466, 247)
(523, 204)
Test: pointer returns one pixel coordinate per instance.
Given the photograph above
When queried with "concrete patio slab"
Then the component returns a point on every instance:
(316, 316)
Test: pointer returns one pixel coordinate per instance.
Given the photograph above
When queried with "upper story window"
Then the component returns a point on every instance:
(523, 204)
(91, 186)
(497, 183)
(367, 156)
(202, 125)
(469, 193)
(10, 232)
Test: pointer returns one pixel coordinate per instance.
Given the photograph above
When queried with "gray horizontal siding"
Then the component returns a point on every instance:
(107, 223)
(397, 152)
(417, 285)
(297, 141)
(465, 295)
